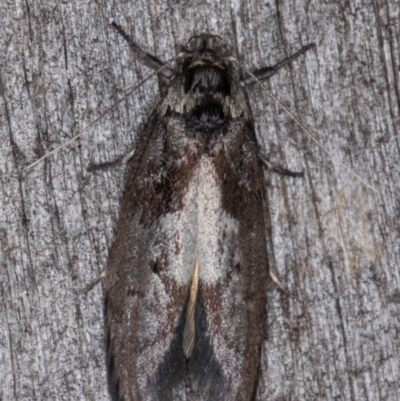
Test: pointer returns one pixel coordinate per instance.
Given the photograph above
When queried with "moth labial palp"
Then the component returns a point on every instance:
(186, 279)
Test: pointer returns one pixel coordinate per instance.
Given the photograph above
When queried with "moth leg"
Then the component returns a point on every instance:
(117, 162)
(281, 170)
(150, 60)
(267, 72)
(93, 284)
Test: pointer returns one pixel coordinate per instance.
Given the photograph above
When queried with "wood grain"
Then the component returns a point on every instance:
(334, 243)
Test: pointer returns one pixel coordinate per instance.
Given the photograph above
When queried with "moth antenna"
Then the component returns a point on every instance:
(101, 115)
(303, 127)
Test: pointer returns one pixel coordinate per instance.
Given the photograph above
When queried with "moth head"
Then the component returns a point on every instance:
(205, 50)
(205, 41)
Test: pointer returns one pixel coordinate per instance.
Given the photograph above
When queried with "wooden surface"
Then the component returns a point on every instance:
(334, 242)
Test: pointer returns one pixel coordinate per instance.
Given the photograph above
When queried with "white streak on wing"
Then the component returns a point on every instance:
(217, 252)
(201, 230)
(196, 230)
(213, 224)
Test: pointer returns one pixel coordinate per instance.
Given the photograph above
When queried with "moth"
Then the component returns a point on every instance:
(186, 280)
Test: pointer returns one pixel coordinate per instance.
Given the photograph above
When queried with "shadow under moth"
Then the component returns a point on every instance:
(186, 280)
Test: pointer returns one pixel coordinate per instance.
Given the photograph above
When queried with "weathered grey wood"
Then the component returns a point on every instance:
(335, 244)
